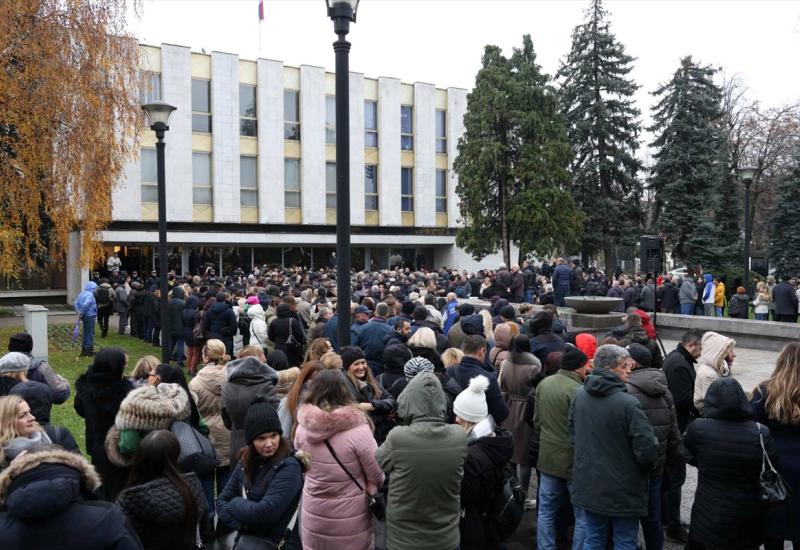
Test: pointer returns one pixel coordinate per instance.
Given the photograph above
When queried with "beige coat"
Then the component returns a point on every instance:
(711, 365)
(207, 387)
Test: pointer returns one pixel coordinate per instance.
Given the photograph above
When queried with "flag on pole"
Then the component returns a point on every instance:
(260, 10)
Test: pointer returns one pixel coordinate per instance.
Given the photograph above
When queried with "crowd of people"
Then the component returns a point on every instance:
(434, 428)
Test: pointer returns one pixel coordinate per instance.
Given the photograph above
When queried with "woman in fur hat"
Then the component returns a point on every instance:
(262, 498)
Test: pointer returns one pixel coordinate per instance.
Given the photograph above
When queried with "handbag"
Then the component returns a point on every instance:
(249, 541)
(292, 345)
(197, 452)
(376, 502)
(773, 488)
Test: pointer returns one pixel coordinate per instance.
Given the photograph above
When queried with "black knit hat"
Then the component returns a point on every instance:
(351, 354)
(261, 418)
(408, 308)
(640, 354)
(573, 358)
(22, 342)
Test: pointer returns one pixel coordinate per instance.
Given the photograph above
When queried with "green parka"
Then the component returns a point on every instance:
(554, 397)
(425, 459)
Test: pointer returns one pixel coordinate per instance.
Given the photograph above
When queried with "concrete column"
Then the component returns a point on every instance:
(270, 142)
(389, 150)
(176, 83)
(36, 326)
(456, 107)
(225, 136)
(184, 260)
(77, 277)
(357, 214)
(312, 144)
(424, 154)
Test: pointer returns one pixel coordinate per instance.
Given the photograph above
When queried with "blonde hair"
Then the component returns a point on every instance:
(214, 350)
(9, 406)
(144, 367)
(488, 326)
(317, 348)
(331, 360)
(19, 376)
(783, 387)
(423, 338)
(452, 356)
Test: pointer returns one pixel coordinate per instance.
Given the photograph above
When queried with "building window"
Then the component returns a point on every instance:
(201, 105)
(291, 183)
(406, 127)
(248, 181)
(441, 132)
(441, 190)
(406, 190)
(201, 178)
(330, 185)
(370, 187)
(291, 115)
(149, 176)
(330, 120)
(371, 123)
(248, 124)
(149, 87)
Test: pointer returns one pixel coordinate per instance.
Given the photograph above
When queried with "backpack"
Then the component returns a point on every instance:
(506, 507)
(102, 298)
(244, 324)
(637, 295)
(198, 330)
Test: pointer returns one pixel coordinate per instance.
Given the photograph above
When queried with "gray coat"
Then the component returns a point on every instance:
(688, 292)
(649, 386)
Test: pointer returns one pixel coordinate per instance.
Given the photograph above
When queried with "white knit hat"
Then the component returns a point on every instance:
(470, 404)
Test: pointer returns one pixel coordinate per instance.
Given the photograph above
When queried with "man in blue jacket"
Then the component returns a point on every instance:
(472, 365)
(562, 278)
(372, 338)
(86, 308)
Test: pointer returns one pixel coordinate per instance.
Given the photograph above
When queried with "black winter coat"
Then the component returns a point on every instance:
(384, 403)
(785, 298)
(638, 335)
(279, 331)
(48, 505)
(483, 475)
(725, 447)
(97, 400)
(649, 386)
(156, 511)
(468, 369)
(668, 294)
(220, 321)
(188, 320)
(679, 369)
(175, 313)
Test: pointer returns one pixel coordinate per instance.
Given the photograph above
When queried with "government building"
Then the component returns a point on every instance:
(251, 172)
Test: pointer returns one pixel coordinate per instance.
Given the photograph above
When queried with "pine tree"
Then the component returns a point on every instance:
(513, 161)
(603, 124)
(690, 159)
(784, 225)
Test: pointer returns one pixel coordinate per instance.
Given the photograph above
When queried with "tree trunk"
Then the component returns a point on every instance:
(504, 244)
(610, 253)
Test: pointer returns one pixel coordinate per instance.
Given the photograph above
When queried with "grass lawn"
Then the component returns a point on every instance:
(63, 357)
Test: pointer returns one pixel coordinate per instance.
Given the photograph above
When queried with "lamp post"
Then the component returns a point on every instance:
(158, 113)
(746, 173)
(342, 12)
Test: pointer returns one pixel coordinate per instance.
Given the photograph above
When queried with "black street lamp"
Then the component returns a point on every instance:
(158, 113)
(342, 12)
(746, 173)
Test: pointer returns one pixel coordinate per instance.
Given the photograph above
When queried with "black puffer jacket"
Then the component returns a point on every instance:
(649, 386)
(725, 447)
(483, 475)
(220, 321)
(156, 510)
(279, 331)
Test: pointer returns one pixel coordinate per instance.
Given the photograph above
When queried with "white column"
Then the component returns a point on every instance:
(357, 149)
(36, 326)
(225, 136)
(424, 155)
(77, 276)
(270, 142)
(184, 260)
(176, 84)
(312, 144)
(126, 195)
(389, 150)
(456, 107)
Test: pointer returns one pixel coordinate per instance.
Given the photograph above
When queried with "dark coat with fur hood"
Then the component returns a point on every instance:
(46, 502)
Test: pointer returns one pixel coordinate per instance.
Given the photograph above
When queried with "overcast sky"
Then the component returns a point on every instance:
(441, 41)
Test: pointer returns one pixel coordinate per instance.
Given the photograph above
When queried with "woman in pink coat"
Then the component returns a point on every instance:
(335, 514)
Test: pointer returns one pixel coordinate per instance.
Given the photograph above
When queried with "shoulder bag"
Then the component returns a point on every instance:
(773, 488)
(292, 345)
(197, 452)
(376, 502)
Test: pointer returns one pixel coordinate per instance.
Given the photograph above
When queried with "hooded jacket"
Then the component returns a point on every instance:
(708, 290)
(220, 321)
(554, 397)
(503, 338)
(711, 365)
(616, 448)
(393, 377)
(207, 386)
(156, 510)
(258, 325)
(425, 459)
(639, 336)
(335, 513)
(46, 503)
(649, 386)
(688, 292)
(725, 447)
(175, 313)
(247, 378)
(85, 304)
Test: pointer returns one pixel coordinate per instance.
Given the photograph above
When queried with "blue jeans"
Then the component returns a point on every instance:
(762, 316)
(651, 525)
(559, 294)
(597, 530)
(719, 311)
(88, 332)
(529, 296)
(687, 309)
(552, 493)
(176, 345)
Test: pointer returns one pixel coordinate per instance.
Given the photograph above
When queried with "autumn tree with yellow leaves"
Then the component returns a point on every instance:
(69, 114)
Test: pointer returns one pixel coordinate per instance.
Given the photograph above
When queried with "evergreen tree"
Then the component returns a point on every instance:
(690, 161)
(603, 125)
(513, 161)
(784, 224)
